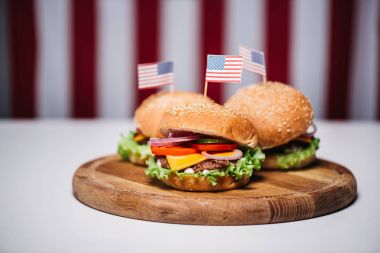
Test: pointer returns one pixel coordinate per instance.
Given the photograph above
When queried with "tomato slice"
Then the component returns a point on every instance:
(214, 147)
(173, 150)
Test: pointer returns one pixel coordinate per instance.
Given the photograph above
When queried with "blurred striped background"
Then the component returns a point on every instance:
(61, 58)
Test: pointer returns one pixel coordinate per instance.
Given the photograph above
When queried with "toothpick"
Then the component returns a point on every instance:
(205, 90)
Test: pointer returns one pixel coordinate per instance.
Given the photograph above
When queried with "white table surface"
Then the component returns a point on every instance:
(38, 212)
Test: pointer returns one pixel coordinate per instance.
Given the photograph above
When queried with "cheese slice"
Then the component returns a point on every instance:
(185, 161)
(228, 153)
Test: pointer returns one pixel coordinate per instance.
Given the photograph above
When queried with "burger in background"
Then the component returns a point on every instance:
(207, 148)
(133, 147)
(282, 117)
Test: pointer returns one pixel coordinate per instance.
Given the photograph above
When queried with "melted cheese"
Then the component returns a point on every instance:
(139, 137)
(229, 153)
(182, 162)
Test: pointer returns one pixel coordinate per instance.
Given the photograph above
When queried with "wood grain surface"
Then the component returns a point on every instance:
(113, 186)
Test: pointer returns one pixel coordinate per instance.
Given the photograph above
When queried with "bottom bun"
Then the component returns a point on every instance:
(201, 184)
(138, 161)
(271, 163)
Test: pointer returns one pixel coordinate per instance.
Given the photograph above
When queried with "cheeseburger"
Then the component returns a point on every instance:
(133, 147)
(282, 117)
(207, 147)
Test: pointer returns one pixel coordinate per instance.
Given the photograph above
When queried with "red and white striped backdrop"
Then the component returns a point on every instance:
(78, 58)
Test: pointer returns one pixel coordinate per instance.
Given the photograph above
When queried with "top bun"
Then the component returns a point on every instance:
(210, 119)
(149, 113)
(278, 111)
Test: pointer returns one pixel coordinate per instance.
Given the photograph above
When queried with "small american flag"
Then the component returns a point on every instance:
(224, 68)
(253, 60)
(151, 75)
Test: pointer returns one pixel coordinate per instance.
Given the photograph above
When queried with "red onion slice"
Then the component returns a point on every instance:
(167, 142)
(176, 134)
(311, 130)
(237, 154)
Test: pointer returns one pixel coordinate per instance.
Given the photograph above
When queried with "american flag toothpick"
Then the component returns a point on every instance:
(151, 75)
(223, 68)
(253, 61)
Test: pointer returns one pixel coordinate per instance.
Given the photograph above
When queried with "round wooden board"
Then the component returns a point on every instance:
(117, 187)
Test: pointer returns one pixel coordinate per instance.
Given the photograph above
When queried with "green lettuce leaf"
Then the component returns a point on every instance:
(245, 166)
(251, 160)
(295, 157)
(129, 149)
(155, 170)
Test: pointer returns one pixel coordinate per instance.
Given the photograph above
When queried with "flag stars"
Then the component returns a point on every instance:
(215, 62)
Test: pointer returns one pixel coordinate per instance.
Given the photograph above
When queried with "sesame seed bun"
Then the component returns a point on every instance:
(278, 112)
(201, 184)
(210, 119)
(271, 163)
(149, 113)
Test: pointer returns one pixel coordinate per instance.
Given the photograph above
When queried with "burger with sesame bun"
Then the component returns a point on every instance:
(282, 117)
(207, 147)
(133, 147)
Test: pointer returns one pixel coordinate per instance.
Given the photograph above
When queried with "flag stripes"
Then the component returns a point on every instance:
(212, 41)
(78, 58)
(378, 71)
(84, 58)
(309, 36)
(248, 63)
(4, 66)
(155, 75)
(342, 15)
(239, 14)
(277, 39)
(362, 83)
(224, 68)
(23, 57)
(53, 82)
(147, 38)
(115, 48)
(181, 49)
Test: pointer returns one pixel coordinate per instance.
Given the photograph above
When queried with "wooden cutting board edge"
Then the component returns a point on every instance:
(326, 200)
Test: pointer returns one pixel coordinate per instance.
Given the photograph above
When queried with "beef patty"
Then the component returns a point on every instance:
(211, 164)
